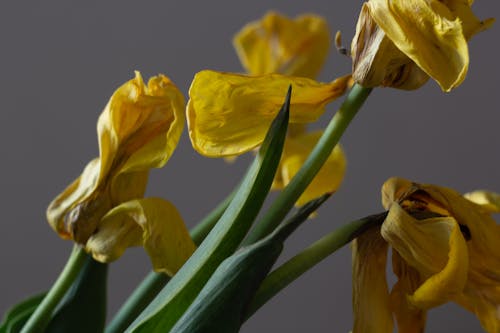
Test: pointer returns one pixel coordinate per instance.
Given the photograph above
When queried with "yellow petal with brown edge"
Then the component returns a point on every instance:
(436, 248)
(229, 114)
(428, 33)
(329, 177)
(278, 44)
(409, 319)
(486, 199)
(370, 295)
(153, 223)
(80, 189)
(140, 126)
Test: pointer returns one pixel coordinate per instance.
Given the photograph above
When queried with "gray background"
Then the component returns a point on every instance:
(62, 60)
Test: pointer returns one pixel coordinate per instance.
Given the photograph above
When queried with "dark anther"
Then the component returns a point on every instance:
(465, 232)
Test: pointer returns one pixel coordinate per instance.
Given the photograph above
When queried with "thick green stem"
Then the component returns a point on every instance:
(302, 262)
(154, 282)
(331, 136)
(42, 315)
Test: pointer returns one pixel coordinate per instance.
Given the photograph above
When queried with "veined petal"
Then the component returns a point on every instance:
(152, 222)
(436, 248)
(486, 199)
(229, 114)
(371, 302)
(278, 44)
(330, 176)
(409, 318)
(428, 33)
(141, 126)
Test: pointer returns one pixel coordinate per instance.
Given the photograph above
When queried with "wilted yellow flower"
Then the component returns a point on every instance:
(445, 248)
(399, 43)
(298, 47)
(278, 44)
(103, 209)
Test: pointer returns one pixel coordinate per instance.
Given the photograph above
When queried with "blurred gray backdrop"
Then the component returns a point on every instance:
(62, 60)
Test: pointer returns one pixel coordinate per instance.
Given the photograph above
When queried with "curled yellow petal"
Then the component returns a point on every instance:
(79, 190)
(429, 34)
(376, 61)
(436, 248)
(278, 44)
(330, 176)
(370, 295)
(153, 223)
(229, 114)
(141, 126)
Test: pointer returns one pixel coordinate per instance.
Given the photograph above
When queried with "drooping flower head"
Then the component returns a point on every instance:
(445, 248)
(229, 114)
(103, 209)
(401, 43)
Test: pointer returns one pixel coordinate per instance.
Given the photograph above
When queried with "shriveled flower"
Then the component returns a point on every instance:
(445, 248)
(104, 209)
(279, 44)
(400, 43)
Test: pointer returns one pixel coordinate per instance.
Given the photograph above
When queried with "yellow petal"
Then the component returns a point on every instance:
(486, 199)
(78, 191)
(436, 248)
(329, 177)
(471, 25)
(153, 223)
(409, 318)
(141, 126)
(428, 33)
(278, 44)
(371, 303)
(229, 114)
(376, 61)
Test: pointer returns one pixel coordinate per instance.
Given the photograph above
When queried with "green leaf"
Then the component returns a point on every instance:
(221, 304)
(224, 238)
(83, 309)
(16, 316)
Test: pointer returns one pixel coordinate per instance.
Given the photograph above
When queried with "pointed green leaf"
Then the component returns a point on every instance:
(83, 309)
(224, 238)
(16, 316)
(221, 304)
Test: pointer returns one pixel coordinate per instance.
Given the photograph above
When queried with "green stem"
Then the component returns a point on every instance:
(42, 315)
(331, 136)
(302, 262)
(154, 282)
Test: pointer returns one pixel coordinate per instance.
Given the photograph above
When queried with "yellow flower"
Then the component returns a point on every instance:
(400, 43)
(104, 209)
(445, 248)
(229, 114)
(278, 44)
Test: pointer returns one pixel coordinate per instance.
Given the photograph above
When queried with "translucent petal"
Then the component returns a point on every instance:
(153, 223)
(330, 176)
(436, 248)
(428, 33)
(278, 44)
(229, 114)
(371, 303)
